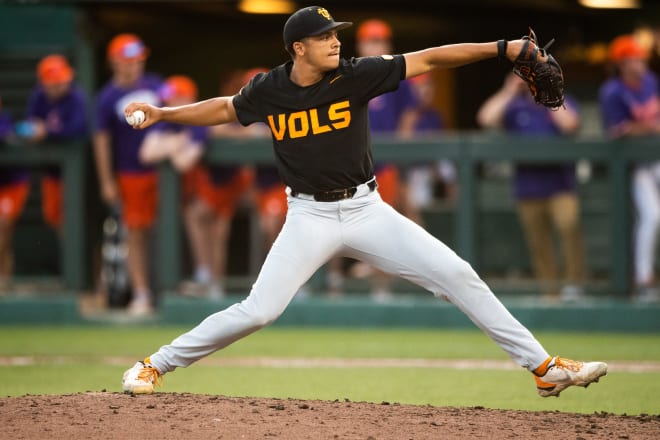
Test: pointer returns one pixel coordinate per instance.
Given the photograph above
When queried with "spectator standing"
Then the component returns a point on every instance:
(184, 146)
(426, 120)
(227, 185)
(630, 107)
(546, 194)
(124, 180)
(57, 112)
(387, 112)
(386, 115)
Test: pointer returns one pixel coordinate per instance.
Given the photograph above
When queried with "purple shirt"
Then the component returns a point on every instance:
(385, 111)
(532, 181)
(65, 119)
(125, 140)
(619, 103)
(198, 134)
(220, 174)
(9, 174)
(428, 120)
(6, 125)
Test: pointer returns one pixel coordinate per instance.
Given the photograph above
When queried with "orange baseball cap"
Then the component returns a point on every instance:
(625, 47)
(374, 29)
(127, 47)
(178, 86)
(54, 69)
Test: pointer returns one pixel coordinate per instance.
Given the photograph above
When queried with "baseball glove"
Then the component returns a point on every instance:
(543, 76)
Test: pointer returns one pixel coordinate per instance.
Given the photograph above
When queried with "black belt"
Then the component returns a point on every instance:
(337, 194)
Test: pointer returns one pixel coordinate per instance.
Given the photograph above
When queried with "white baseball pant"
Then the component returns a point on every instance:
(646, 194)
(368, 229)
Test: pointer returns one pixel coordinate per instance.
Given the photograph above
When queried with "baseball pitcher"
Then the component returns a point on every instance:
(316, 108)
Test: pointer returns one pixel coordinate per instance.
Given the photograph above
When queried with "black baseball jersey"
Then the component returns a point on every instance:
(321, 134)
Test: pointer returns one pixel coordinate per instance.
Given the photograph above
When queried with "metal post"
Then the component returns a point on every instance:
(169, 227)
(620, 224)
(73, 244)
(465, 222)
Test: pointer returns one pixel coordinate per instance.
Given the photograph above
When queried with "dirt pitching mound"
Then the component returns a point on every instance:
(107, 415)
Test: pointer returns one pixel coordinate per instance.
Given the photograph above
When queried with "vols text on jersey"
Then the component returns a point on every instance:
(313, 121)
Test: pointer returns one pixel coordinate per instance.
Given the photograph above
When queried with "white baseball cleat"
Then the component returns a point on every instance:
(563, 373)
(141, 378)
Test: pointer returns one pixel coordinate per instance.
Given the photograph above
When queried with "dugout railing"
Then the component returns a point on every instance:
(70, 159)
(467, 151)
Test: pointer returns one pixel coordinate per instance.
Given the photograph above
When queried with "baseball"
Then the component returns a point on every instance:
(136, 118)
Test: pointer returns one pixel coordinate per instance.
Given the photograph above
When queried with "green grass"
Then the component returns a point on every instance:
(70, 360)
(90, 341)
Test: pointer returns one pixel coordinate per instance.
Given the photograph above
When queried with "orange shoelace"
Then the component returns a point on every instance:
(568, 364)
(150, 374)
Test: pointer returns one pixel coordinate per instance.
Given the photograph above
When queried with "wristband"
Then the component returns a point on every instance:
(501, 49)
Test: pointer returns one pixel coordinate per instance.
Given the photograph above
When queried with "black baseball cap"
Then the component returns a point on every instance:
(309, 21)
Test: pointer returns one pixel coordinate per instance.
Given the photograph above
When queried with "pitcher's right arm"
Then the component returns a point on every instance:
(212, 111)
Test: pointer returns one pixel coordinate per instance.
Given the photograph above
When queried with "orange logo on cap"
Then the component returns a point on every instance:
(324, 13)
